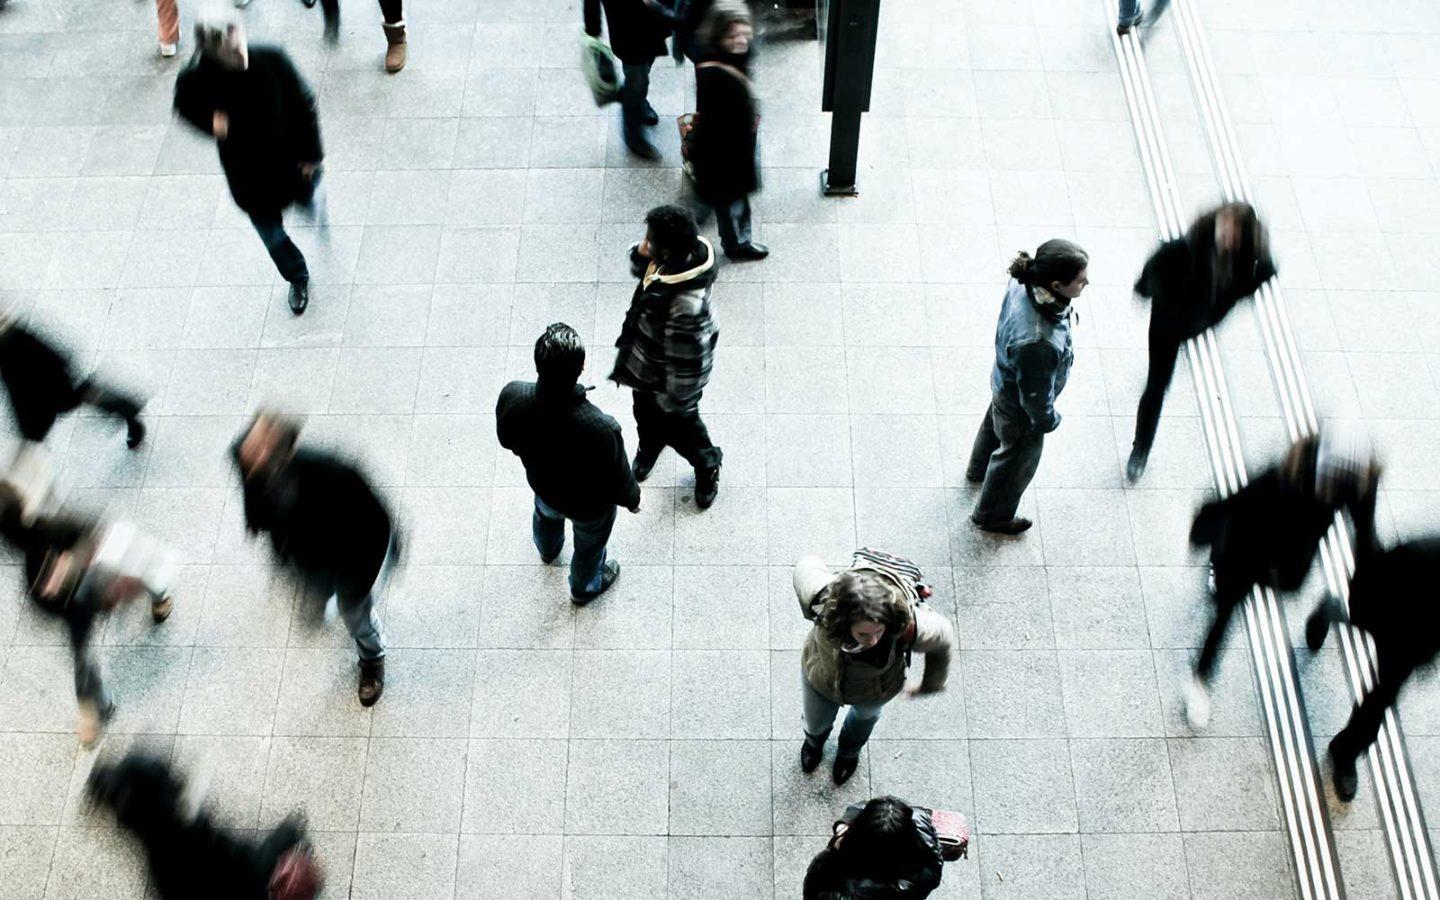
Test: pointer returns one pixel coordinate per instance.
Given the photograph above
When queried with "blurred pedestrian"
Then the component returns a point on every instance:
(722, 147)
(667, 347)
(1132, 17)
(1193, 282)
(888, 849)
(1033, 354)
(1405, 627)
(78, 569)
(263, 118)
(868, 619)
(392, 14)
(324, 519)
(167, 22)
(1267, 534)
(574, 458)
(637, 29)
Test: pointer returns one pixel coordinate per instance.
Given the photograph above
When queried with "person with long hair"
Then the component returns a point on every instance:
(889, 849)
(1193, 282)
(1033, 354)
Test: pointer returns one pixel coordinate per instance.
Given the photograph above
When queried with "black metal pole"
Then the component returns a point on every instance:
(839, 178)
(849, 67)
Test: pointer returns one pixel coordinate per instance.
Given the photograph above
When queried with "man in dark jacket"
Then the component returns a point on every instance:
(638, 29)
(574, 459)
(667, 346)
(1388, 603)
(42, 386)
(325, 520)
(262, 116)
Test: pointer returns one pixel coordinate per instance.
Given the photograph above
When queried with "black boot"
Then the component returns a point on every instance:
(707, 486)
(134, 432)
(1135, 467)
(812, 750)
(1347, 779)
(1318, 625)
(643, 463)
(372, 680)
(844, 767)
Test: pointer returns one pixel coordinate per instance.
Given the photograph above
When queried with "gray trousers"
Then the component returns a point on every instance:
(358, 613)
(633, 99)
(1006, 455)
(733, 222)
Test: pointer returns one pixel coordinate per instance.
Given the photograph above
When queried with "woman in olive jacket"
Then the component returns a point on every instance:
(868, 621)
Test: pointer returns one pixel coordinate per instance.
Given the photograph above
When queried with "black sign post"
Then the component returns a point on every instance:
(848, 29)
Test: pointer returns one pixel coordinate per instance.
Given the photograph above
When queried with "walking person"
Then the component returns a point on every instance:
(667, 347)
(1131, 15)
(1267, 534)
(637, 29)
(167, 23)
(888, 849)
(323, 518)
(1193, 282)
(392, 15)
(722, 147)
(574, 458)
(1033, 355)
(1406, 631)
(869, 619)
(263, 118)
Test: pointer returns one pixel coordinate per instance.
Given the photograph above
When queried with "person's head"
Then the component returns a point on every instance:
(220, 35)
(559, 356)
(1059, 266)
(1233, 229)
(728, 28)
(670, 234)
(863, 610)
(267, 443)
(883, 838)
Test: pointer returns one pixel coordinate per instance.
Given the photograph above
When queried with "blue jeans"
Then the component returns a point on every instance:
(1130, 13)
(587, 564)
(287, 257)
(358, 614)
(820, 713)
(633, 102)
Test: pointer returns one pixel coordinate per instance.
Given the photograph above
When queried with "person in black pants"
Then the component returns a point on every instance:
(1406, 629)
(667, 347)
(393, 13)
(263, 118)
(1193, 282)
(574, 459)
(638, 29)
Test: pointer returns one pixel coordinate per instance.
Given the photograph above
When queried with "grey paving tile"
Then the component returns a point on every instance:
(416, 865)
(1110, 872)
(1023, 787)
(617, 787)
(413, 785)
(721, 867)
(1039, 865)
(27, 852)
(1004, 608)
(1255, 864)
(1246, 794)
(1110, 693)
(1095, 608)
(319, 777)
(598, 866)
(719, 694)
(720, 787)
(529, 865)
(1013, 693)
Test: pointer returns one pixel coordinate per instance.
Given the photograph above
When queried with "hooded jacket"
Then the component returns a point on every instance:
(667, 343)
(844, 679)
(637, 32)
(723, 144)
(1033, 354)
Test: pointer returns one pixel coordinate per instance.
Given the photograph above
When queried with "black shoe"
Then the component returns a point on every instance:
(643, 149)
(747, 251)
(844, 767)
(372, 680)
(1014, 526)
(134, 433)
(332, 31)
(975, 479)
(1318, 625)
(1347, 779)
(547, 560)
(299, 296)
(309, 4)
(1136, 466)
(642, 465)
(707, 486)
(651, 116)
(1123, 30)
(810, 755)
(608, 576)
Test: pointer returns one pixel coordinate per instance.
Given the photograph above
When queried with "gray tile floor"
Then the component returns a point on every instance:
(645, 746)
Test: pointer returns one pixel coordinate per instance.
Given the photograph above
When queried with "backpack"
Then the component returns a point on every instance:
(903, 572)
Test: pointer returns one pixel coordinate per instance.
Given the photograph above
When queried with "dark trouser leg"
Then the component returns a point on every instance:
(1359, 733)
(986, 443)
(288, 258)
(1228, 596)
(1011, 467)
(733, 221)
(686, 432)
(1163, 355)
(331, 9)
(392, 10)
(633, 94)
(109, 400)
(650, 425)
(588, 562)
(358, 613)
(547, 528)
(89, 686)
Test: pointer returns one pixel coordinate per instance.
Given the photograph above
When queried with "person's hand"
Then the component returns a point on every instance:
(308, 169)
(220, 124)
(916, 690)
(634, 509)
(643, 249)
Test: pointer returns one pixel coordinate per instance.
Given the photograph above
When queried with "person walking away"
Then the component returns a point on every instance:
(1267, 534)
(167, 23)
(263, 118)
(574, 458)
(1193, 282)
(890, 849)
(723, 144)
(1033, 354)
(325, 520)
(1132, 17)
(1406, 631)
(392, 16)
(638, 29)
(667, 347)
(868, 619)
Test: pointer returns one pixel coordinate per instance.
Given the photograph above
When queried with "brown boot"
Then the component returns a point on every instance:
(395, 54)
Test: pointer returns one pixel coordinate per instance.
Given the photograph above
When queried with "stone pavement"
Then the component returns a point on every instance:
(645, 746)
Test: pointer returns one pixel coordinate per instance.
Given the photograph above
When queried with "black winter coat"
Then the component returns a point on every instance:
(323, 517)
(1179, 281)
(574, 454)
(723, 144)
(637, 32)
(273, 128)
(835, 876)
(1387, 600)
(39, 380)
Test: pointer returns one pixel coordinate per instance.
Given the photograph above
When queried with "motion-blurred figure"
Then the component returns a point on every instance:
(263, 118)
(574, 459)
(167, 22)
(1388, 601)
(887, 849)
(392, 13)
(1131, 15)
(78, 569)
(638, 29)
(667, 347)
(1033, 354)
(188, 855)
(1267, 534)
(1193, 282)
(722, 145)
(324, 519)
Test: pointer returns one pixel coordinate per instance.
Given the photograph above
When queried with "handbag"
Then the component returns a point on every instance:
(951, 829)
(601, 71)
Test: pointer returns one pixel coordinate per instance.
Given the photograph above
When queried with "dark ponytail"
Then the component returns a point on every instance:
(1055, 260)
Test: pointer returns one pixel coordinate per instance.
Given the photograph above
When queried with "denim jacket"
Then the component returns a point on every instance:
(1032, 356)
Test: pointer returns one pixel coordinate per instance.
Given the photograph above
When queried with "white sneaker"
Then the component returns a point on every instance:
(1197, 704)
(168, 50)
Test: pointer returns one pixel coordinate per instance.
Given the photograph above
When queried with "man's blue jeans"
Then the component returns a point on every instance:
(1130, 13)
(588, 561)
